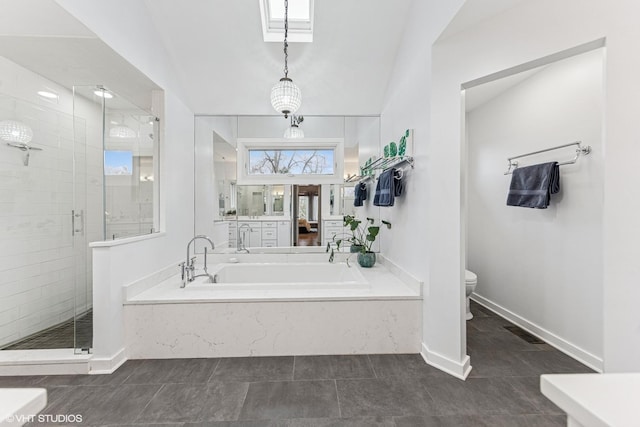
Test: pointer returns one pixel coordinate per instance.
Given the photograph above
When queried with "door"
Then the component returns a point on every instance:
(87, 217)
(43, 192)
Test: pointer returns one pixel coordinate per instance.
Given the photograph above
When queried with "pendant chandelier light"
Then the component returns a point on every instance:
(122, 132)
(294, 131)
(286, 97)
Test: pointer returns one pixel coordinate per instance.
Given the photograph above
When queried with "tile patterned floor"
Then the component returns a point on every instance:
(60, 336)
(321, 391)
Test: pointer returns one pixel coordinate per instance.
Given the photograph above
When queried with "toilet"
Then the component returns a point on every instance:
(470, 281)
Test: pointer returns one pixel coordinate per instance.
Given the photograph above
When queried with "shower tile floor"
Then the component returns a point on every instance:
(59, 336)
(321, 391)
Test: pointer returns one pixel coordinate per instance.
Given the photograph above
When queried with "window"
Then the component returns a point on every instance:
(297, 162)
(118, 162)
(263, 161)
(300, 20)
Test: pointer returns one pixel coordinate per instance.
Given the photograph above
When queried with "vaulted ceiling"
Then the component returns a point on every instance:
(226, 68)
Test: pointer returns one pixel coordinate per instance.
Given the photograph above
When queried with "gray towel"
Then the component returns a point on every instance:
(385, 190)
(360, 193)
(398, 184)
(532, 186)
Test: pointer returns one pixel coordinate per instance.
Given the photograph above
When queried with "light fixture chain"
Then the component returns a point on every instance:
(286, 31)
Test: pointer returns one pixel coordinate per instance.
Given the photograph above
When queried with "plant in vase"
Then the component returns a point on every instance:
(363, 235)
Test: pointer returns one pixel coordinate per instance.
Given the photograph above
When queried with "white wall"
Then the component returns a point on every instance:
(411, 244)
(135, 39)
(544, 266)
(526, 33)
(44, 278)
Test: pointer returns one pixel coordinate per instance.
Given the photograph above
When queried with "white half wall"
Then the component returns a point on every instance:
(522, 34)
(542, 265)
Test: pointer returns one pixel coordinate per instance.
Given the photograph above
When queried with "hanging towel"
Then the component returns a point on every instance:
(398, 183)
(360, 193)
(532, 186)
(385, 190)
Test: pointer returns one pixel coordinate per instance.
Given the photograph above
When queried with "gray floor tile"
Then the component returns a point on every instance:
(487, 421)
(195, 403)
(162, 371)
(487, 324)
(21, 381)
(477, 396)
(435, 421)
(103, 405)
(551, 362)
(342, 422)
(385, 397)
(224, 400)
(402, 365)
(479, 311)
(291, 399)
(525, 421)
(254, 369)
(498, 341)
(146, 425)
(497, 363)
(529, 388)
(241, 423)
(175, 403)
(332, 367)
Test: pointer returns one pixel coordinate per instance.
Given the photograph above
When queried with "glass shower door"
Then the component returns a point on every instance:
(88, 214)
(41, 259)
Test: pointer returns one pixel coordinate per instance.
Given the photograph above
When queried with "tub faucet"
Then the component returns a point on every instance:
(188, 268)
(241, 238)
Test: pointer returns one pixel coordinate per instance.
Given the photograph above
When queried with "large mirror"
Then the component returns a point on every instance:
(308, 187)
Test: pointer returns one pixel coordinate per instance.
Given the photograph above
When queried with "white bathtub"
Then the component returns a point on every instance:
(281, 275)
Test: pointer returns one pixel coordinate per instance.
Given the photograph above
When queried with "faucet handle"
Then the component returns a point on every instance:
(192, 261)
(182, 269)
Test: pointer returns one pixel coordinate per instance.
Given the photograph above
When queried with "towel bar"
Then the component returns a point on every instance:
(580, 151)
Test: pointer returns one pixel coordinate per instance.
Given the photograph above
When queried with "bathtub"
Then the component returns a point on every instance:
(281, 275)
(275, 305)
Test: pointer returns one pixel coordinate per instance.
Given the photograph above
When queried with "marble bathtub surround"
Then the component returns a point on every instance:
(383, 315)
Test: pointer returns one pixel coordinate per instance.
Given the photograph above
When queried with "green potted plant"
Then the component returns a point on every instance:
(363, 235)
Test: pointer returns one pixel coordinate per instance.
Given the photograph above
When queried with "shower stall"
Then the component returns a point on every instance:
(76, 166)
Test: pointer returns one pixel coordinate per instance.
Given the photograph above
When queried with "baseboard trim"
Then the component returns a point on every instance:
(583, 356)
(457, 369)
(43, 362)
(107, 365)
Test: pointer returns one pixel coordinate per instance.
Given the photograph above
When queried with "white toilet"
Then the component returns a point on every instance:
(470, 281)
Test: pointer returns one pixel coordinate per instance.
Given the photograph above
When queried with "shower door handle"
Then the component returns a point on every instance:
(77, 222)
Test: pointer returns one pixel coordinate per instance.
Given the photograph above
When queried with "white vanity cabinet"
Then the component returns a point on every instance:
(332, 227)
(254, 234)
(269, 234)
(266, 233)
(233, 234)
(284, 233)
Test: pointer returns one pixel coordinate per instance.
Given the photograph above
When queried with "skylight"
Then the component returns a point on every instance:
(298, 10)
(300, 20)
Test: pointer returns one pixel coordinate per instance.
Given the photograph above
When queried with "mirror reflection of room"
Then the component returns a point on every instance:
(276, 212)
(308, 215)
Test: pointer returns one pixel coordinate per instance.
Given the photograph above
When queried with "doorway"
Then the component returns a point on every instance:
(307, 215)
